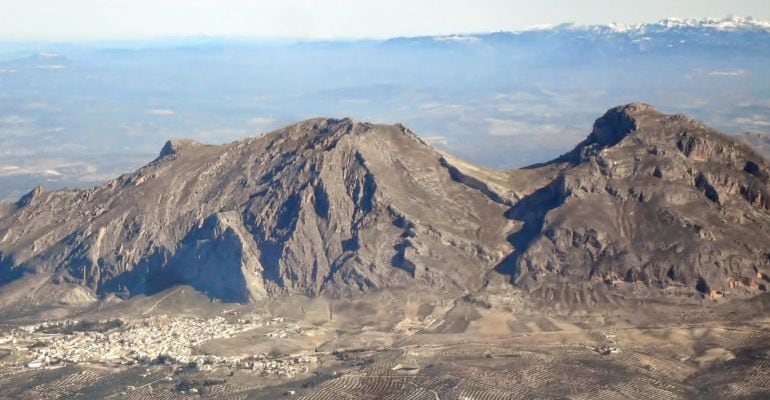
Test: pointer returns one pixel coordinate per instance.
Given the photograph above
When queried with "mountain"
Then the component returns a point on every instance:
(324, 206)
(339, 208)
(651, 198)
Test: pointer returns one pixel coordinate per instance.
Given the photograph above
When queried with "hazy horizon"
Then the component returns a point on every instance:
(202, 38)
(116, 20)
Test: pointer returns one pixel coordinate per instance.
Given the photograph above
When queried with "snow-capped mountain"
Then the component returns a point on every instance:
(727, 36)
(729, 24)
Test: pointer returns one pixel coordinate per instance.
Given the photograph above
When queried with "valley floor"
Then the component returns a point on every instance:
(393, 345)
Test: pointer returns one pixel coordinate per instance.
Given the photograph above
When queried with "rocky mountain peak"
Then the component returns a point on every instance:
(30, 196)
(609, 130)
(617, 123)
(314, 129)
(324, 206)
(638, 123)
(174, 146)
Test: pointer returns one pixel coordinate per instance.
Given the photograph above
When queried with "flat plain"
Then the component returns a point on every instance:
(401, 345)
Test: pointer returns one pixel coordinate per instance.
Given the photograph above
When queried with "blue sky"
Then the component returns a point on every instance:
(22, 20)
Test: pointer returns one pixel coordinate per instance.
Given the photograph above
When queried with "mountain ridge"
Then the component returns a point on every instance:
(725, 24)
(309, 193)
(338, 207)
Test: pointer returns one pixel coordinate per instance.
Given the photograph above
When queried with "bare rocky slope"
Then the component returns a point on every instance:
(337, 207)
(651, 198)
(324, 206)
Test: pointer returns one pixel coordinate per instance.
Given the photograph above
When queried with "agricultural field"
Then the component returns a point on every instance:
(410, 347)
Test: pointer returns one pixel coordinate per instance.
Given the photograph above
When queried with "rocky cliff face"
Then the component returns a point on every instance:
(324, 206)
(650, 198)
(337, 207)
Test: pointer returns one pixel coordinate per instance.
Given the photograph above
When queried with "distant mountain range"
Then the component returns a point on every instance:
(341, 208)
(728, 24)
(675, 32)
(668, 26)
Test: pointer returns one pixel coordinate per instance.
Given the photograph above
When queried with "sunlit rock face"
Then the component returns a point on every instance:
(325, 206)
